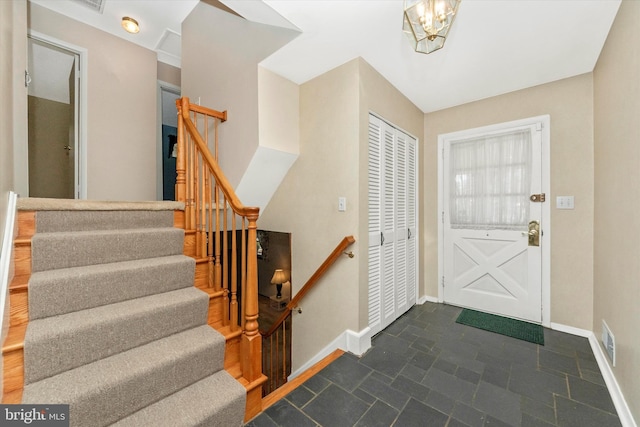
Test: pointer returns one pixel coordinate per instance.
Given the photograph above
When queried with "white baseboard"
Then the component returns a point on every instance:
(626, 418)
(427, 298)
(353, 342)
(571, 330)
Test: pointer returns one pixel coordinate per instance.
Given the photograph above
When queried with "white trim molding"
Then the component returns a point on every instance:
(354, 342)
(624, 413)
(6, 270)
(427, 298)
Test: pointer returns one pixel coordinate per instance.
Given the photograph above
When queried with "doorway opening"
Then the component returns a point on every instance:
(166, 164)
(55, 110)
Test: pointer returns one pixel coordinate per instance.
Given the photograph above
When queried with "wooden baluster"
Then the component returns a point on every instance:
(210, 270)
(217, 282)
(284, 353)
(191, 186)
(251, 344)
(234, 276)
(200, 192)
(225, 261)
(243, 273)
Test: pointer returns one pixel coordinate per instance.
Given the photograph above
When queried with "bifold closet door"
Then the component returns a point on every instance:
(392, 223)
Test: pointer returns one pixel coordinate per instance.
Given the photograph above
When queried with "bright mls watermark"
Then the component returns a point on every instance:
(34, 415)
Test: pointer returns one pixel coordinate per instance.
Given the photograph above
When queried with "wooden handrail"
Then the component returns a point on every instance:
(339, 250)
(220, 229)
(224, 184)
(222, 115)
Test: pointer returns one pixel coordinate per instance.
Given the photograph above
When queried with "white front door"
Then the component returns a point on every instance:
(488, 177)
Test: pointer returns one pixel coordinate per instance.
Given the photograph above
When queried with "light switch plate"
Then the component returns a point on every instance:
(564, 202)
(342, 204)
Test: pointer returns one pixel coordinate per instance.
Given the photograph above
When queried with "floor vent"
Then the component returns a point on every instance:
(96, 5)
(609, 343)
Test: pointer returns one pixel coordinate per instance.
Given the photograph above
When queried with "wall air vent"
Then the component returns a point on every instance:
(96, 5)
(609, 343)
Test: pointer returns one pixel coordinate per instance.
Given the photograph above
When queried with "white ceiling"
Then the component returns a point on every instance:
(160, 21)
(494, 47)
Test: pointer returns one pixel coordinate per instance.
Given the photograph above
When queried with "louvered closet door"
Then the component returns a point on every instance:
(392, 223)
(375, 223)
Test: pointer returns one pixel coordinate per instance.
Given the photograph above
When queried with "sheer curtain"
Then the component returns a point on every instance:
(490, 181)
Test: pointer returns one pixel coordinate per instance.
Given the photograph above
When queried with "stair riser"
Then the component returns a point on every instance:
(199, 405)
(19, 306)
(113, 388)
(66, 342)
(50, 251)
(74, 289)
(63, 221)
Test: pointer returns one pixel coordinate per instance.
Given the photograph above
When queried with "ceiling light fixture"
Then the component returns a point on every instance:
(427, 22)
(130, 25)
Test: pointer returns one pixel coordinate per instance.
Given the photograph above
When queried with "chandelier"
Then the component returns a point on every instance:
(427, 22)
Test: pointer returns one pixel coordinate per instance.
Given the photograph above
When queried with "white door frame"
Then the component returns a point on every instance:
(80, 191)
(546, 206)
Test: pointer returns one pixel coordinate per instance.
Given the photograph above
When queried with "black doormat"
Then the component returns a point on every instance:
(502, 325)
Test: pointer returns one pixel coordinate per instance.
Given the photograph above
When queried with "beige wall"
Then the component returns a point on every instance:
(220, 56)
(121, 110)
(279, 114)
(169, 74)
(617, 195)
(306, 205)
(569, 102)
(334, 110)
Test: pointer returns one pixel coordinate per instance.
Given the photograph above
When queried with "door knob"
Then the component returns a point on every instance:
(67, 147)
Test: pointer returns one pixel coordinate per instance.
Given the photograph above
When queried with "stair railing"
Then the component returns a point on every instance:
(215, 220)
(276, 342)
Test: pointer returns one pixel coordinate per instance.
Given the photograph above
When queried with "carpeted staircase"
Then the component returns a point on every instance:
(116, 328)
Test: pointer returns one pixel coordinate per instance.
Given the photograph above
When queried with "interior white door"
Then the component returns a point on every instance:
(488, 179)
(392, 223)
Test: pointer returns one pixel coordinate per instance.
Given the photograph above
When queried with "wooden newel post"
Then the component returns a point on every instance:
(251, 338)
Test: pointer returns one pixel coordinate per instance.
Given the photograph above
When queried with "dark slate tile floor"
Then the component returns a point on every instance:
(427, 370)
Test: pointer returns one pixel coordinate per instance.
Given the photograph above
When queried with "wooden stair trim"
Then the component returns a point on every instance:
(289, 386)
(13, 364)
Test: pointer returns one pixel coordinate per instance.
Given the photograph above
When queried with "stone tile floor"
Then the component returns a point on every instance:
(427, 370)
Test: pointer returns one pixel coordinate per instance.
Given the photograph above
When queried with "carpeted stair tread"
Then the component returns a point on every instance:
(107, 390)
(66, 290)
(200, 405)
(50, 251)
(59, 343)
(57, 221)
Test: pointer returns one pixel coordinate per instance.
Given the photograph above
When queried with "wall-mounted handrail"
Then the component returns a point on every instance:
(331, 259)
(277, 340)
